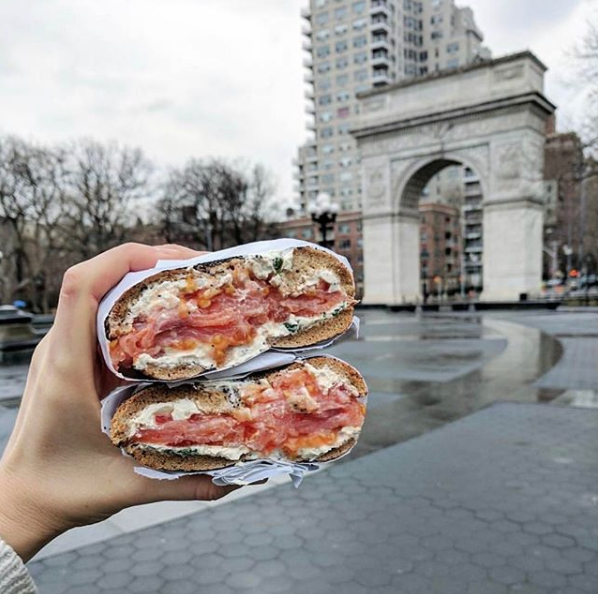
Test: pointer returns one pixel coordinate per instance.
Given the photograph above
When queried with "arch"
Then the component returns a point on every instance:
(411, 185)
(491, 117)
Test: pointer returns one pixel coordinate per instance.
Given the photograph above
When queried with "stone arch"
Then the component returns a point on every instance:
(490, 116)
(410, 186)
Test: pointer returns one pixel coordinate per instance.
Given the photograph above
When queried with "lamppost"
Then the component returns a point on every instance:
(323, 213)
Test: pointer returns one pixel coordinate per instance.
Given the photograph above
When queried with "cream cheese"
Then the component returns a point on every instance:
(180, 410)
(228, 452)
(327, 378)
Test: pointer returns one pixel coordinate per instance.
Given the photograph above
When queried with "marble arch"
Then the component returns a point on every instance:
(490, 116)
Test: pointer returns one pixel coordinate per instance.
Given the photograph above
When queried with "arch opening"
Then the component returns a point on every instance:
(447, 196)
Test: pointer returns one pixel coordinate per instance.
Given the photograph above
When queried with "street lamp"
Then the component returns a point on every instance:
(323, 213)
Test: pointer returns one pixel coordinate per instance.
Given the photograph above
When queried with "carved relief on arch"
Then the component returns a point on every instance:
(375, 187)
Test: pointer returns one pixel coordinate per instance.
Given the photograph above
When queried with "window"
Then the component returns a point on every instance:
(360, 75)
(436, 3)
(346, 162)
(452, 48)
(346, 176)
(343, 112)
(328, 164)
(344, 147)
(346, 192)
(342, 80)
(341, 46)
(359, 24)
(320, 3)
(340, 13)
(306, 234)
(345, 244)
(343, 96)
(360, 58)
(423, 56)
(325, 99)
(360, 41)
(323, 51)
(448, 251)
(343, 129)
(436, 19)
(323, 35)
(328, 178)
(360, 240)
(344, 228)
(324, 67)
(453, 63)
(448, 234)
(359, 7)
(327, 132)
(341, 29)
(325, 116)
(324, 84)
(322, 18)
(291, 234)
(328, 149)
(342, 63)
(437, 34)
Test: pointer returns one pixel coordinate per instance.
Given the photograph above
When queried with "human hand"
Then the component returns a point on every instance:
(59, 470)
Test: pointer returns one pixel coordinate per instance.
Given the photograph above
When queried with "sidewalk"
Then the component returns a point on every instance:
(503, 501)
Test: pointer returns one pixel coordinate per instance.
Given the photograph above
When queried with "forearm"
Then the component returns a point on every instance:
(24, 525)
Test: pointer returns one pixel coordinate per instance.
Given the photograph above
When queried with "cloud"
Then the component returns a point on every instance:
(184, 78)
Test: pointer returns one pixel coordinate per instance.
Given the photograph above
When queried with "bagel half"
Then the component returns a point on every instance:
(178, 324)
(311, 410)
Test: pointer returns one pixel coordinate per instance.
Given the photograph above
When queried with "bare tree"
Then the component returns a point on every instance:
(105, 182)
(214, 204)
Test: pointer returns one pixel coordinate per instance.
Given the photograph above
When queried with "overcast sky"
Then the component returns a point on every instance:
(184, 78)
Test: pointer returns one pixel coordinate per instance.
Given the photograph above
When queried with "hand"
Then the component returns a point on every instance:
(59, 470)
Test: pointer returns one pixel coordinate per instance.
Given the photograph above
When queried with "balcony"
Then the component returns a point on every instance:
(473, 189)
(380, 8)
(381, 60)
(381, 77)
(308, 77)
(310, 109)
(307, 46)
(380, 26)
(381, 43)
(472, 207)
(474, 235)
(306, 30)
(474, 249)
(308, 63)
(306, 14)
(309, 94)
(311, 126)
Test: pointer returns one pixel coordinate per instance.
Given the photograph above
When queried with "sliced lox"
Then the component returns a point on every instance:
(226, 319)
(270, 420)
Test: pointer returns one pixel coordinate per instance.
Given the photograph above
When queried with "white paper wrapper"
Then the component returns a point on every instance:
(249, 249)
(243, 473)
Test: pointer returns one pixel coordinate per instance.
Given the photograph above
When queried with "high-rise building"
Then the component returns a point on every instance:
(353, 45)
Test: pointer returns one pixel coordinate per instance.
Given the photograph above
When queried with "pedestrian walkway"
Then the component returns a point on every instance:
(503, 501)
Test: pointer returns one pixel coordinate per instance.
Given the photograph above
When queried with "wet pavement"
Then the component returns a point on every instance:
(502, 501)
(424, 373)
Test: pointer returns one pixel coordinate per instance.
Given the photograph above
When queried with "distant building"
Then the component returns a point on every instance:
(440, 249)
(352, 46)
(571, 223)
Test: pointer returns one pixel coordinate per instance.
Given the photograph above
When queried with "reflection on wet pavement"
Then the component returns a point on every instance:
(424, 371)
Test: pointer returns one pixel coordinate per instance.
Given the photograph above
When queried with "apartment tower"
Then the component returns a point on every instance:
(353, 45)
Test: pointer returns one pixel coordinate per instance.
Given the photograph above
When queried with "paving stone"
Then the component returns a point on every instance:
(477, 507)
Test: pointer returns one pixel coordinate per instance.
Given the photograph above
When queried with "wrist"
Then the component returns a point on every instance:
(24, 524)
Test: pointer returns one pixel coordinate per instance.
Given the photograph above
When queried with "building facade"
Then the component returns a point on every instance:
(571, 229)
(440, 249)
(352, 46)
